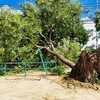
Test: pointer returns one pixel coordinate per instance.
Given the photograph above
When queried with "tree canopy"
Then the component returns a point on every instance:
(43, 25)
(61, 19)
(18, 33)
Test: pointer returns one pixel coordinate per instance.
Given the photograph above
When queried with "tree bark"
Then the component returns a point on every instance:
(61, 58)
(87, 68)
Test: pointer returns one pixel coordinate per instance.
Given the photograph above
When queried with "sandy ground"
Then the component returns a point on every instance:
(38, 87)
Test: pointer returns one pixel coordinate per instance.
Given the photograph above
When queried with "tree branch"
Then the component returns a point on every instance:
(44, 38)
(28, 38)
(61, 58)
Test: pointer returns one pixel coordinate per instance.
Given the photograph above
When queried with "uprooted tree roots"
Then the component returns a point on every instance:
(88, 67)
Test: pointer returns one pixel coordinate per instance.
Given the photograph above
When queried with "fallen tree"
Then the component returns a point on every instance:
(57, 20)
(87, 69)
(45, 25)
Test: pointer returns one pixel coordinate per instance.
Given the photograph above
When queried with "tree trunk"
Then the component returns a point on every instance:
(64, 60)
(61, 58)
(87, 67)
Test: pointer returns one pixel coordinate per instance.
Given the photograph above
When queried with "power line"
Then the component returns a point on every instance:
(85, 6)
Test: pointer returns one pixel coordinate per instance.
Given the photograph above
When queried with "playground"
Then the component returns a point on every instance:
(37, 86)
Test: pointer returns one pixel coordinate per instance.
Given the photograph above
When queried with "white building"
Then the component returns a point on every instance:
(93, 40)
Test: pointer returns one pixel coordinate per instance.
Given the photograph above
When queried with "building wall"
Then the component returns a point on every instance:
(90, 25)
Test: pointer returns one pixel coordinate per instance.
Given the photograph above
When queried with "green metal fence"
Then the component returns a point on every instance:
(4, 66)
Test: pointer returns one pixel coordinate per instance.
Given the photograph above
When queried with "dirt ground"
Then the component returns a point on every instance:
(38, 87)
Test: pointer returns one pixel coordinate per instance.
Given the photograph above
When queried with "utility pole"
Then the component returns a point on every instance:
(96, 30)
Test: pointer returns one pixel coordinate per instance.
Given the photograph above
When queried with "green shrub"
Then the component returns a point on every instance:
(69, 49)
(1, 72)
(59, 70)
(89, 49)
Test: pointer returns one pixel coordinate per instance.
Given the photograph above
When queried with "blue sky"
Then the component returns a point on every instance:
(86, 4)
(14, 2)
(90, 5)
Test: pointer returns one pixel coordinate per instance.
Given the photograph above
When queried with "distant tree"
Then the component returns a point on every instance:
(97, 24)
(97, 21)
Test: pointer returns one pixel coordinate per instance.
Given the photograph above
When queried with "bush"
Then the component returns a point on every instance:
(89, 49)
(1, 69)
(69, 49)
(1, 72)
(59, 70)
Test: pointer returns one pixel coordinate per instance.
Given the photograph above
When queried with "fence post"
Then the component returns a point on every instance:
(25, 69)
(4, 69)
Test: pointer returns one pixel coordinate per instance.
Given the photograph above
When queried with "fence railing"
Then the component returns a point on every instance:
(4, 66)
